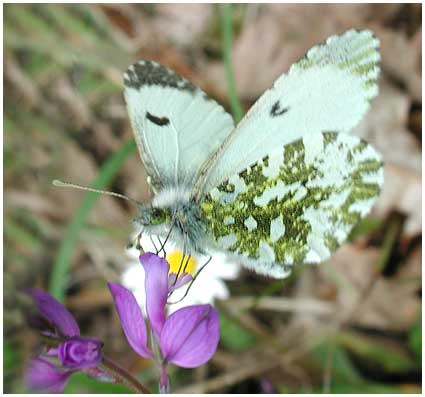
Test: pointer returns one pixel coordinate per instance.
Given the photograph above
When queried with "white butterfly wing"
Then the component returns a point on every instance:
(176, 126)
(296, 205)
(328, 90)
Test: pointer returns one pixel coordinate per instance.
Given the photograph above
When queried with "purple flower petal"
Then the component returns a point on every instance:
(55, 312)
(42, 375)
(132, 321)
(190, 336)
(53, 351)
(156, 285)
(175, 282)
(79, 352)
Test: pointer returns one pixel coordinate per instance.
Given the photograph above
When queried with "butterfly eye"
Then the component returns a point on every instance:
(159, 215)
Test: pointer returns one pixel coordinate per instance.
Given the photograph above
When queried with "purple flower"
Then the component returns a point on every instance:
(71, 352)
(188, 338)
(78, 352)
(43, 375)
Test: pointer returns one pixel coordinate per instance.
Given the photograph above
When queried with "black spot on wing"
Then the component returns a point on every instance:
(276, 110)
(147, 73)
(157, 120)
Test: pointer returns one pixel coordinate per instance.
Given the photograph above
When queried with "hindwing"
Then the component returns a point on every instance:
(296, 205)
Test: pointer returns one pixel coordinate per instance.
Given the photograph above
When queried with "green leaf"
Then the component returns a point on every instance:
(415, 337)
(227, 37)
(388, 356)
(342, 370)
(17, 232)
(80, 383)
(233, 336)
(367, 387)
(365, 227)
(110, 168)
(11, 357)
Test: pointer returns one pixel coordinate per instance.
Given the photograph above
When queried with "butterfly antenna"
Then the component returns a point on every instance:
(191, 283)
(161, 246)
(154, 245)
(173, 221)
(59, 183)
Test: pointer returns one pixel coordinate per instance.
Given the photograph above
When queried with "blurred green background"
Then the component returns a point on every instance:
(350, 325)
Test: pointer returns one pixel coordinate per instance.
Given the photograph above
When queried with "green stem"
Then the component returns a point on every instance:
(123, 376)
(227, 37)
(164, 380)
(391, 235)
(110, 168)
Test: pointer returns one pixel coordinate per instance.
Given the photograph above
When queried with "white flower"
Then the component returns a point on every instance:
(208, 286)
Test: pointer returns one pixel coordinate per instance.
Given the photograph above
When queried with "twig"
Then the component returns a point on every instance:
(231, 377)
(281, 304)
(249, 367)
(390, 238)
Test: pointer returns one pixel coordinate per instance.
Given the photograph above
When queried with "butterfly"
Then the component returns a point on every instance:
(283, 187)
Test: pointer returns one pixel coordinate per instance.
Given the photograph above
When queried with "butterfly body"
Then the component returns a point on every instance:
(283, 187)
(173, 212)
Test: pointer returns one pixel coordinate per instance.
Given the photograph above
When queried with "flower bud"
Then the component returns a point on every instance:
(78, 352)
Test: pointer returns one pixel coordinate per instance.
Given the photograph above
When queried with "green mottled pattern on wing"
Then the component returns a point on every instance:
(298, 204)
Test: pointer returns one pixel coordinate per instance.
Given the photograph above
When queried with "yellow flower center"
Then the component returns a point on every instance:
(175, 259)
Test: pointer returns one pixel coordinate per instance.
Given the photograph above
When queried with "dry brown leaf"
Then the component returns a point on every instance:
(412, 268)
(401, 59)
(385, 127)
(354, 268)
(275, 36)
(78, 167)
(182, 24)
(402, 191)
(271, 40)
(89, 299)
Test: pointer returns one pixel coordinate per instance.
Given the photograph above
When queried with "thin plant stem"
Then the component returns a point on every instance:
(227, 40)
(123, 376)
(119, 374)
(108, 171)
(164, 380)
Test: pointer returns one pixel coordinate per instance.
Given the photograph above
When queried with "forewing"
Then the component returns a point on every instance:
(327, 90)
(176, 126)
(296, 205)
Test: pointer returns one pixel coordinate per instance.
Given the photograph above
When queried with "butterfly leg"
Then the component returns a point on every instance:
(139, 245)
(136, 243)
(191, 283)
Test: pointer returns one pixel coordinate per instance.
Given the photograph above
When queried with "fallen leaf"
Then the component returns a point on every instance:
(401, 58)
(182, 24)
(274, 36)
(354, 269)
(402, 191)
(385, 127)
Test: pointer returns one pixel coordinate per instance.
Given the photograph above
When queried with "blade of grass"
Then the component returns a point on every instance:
(108, 171)
(227, 37)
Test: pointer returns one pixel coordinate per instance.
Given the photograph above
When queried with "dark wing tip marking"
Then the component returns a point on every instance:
(157, 120)
(147, 73)
(276, 110)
